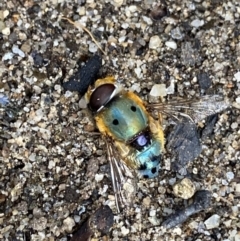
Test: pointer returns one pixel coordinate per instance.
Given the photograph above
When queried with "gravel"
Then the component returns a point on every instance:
(54, 173)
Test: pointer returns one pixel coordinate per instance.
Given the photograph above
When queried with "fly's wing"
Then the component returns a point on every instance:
(124, 180)
(196, 110)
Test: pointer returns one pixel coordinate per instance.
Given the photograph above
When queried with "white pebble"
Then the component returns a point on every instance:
(82, 11)
(234, 125)
(230, 176)
(135, 87)
(147, 20)
(171, 44)
(138, 72)
(193, 225)
(237, 237)
(177, 231)
(176, 33)
(229, 16)
(6, 31)
(82, 103)
(152, 213)
(117, 3)
(125, 231)
(228, 223)
(2, 25)
(212, 222)
(155, 42)
(154, 221)
(99, 177)
(76, 218)
(197, 23)
(235, 210)
(125, 25)
(133, 8)
(92, 48)
(7, 56)
(158, 90)
(5, 13)
(32, 157)
(26, 109)
(238, 100)
(217, 66)
(237, 187)
(51, 164)
(68, 224)
(237, 76)
(16, 50)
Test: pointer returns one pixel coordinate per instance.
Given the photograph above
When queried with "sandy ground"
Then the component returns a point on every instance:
(54, 173)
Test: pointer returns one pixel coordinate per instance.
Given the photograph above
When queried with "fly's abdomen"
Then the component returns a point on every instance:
(149, 160)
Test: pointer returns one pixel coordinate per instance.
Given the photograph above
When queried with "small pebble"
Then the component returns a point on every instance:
(237, 237)
(82, 103)
(125, 231)
(16, 50)
(184, 189)
(2, 25)
(234, 125)
(204, 80)
(26, 48)
(5, 13)
(68, 224)
(197, 23)
(7, 56)
(155, 42)
(158, 90)
(237, 187)
(117, 3)
(147, 20)
(212, 222)
(77, 218)
(238, 100)
(39, 224)
(230, 176)
(152, 213)
(237, 76)
(99, 177)
(3, 100)
(235, 210)
(177, 34)
(171, 44)
(93, 48)
(6, 31)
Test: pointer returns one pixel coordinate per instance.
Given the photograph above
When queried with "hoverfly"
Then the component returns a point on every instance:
(134, 139)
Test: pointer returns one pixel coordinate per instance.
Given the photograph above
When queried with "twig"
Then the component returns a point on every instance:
(79, 25)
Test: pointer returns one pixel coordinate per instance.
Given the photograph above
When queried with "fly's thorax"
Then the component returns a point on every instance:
(123, 117)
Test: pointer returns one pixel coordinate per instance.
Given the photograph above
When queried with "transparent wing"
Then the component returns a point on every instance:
(124, 179)
(196, 110)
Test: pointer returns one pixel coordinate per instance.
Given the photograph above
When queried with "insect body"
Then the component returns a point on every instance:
(134, 139)
(123, 118)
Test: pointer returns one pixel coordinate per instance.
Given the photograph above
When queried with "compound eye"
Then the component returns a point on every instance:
(101, 96)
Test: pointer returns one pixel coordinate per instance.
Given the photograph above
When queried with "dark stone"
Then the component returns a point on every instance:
(204, 80)
(85, 76)
(184, 143)
(201, 201)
